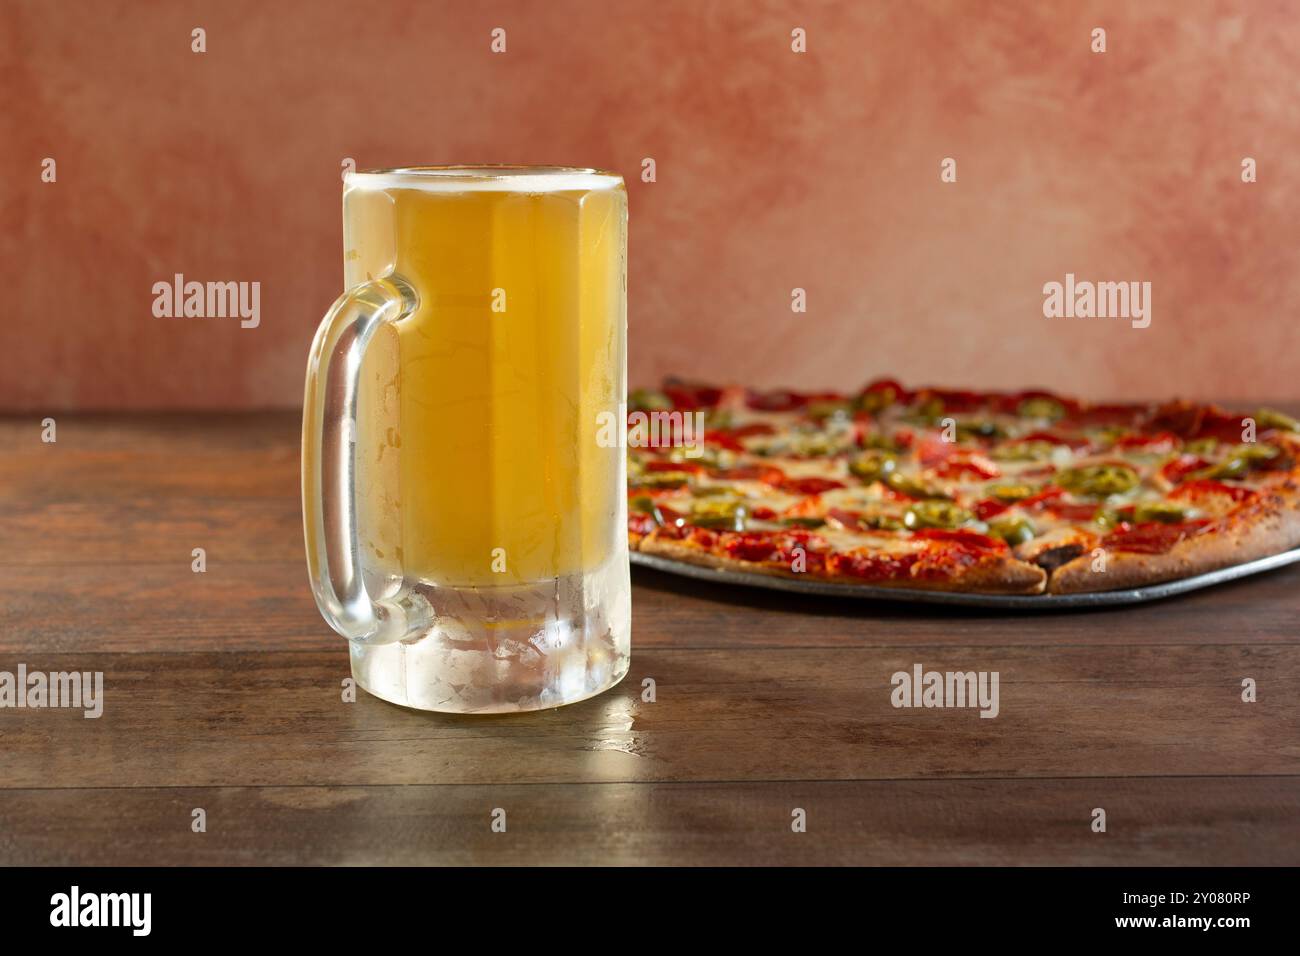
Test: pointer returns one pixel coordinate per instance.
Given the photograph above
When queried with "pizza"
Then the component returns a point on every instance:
(986, 492)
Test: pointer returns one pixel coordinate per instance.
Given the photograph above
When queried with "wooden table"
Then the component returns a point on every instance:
(223, 692)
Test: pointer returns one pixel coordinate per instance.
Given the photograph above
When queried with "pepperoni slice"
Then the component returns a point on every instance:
(1220, 425)
(1049, 499)
(848, 520)
(674, 525)
(1042, 471)
(1100, 415)
(777, 400)
(873, 567)
(1072, 512)
(891, 494)
(639, 523)
(1010, 402)
(1204, 487)
(1048, 494)
(723, 439)
(690, 466)
(1179, 468)
(690, 397)
(655, 494)
(1054, 438)
(961, 538)
(702, 536)
(988, 508)
(888, 386)
(763, 473)
(952, 550)
(774, 546)
(751, 546)
(968, 464)
(933, 450)
(1154, 441)
(1153, 537)
(1182, 418)
(810, 486)
(955, 400)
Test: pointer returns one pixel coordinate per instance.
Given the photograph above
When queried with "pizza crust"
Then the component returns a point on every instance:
(992, 575)
(1271, 528)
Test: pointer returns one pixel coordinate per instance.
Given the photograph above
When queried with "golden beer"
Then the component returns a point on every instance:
(487, 509)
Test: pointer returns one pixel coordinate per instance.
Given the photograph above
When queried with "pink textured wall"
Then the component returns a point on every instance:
(775, 170)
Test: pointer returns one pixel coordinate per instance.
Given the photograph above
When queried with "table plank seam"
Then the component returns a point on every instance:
(713, 648)
(663, 783)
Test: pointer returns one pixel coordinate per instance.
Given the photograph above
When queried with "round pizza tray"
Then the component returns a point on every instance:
(1042, 602)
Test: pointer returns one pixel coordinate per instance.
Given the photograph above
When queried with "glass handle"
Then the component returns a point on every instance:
(329, 467)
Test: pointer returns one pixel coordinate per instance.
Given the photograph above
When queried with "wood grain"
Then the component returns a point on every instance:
(278, 718)
(133, 606)
(223, 690)
(1229, 822)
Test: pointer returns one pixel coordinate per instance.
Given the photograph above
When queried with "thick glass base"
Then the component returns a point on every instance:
(507, 649)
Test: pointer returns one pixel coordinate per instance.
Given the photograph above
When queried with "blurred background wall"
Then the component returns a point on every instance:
(775, 170)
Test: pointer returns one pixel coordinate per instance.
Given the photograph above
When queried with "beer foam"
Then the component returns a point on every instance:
(465, 179)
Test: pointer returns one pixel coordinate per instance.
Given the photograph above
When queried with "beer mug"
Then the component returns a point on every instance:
(463, 467)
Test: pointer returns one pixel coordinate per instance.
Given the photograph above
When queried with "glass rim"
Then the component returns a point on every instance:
(486, 176)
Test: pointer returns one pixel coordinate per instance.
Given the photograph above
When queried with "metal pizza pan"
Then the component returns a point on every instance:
(1041, 602)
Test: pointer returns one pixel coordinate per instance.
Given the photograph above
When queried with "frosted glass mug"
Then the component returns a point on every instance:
(464, 509)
